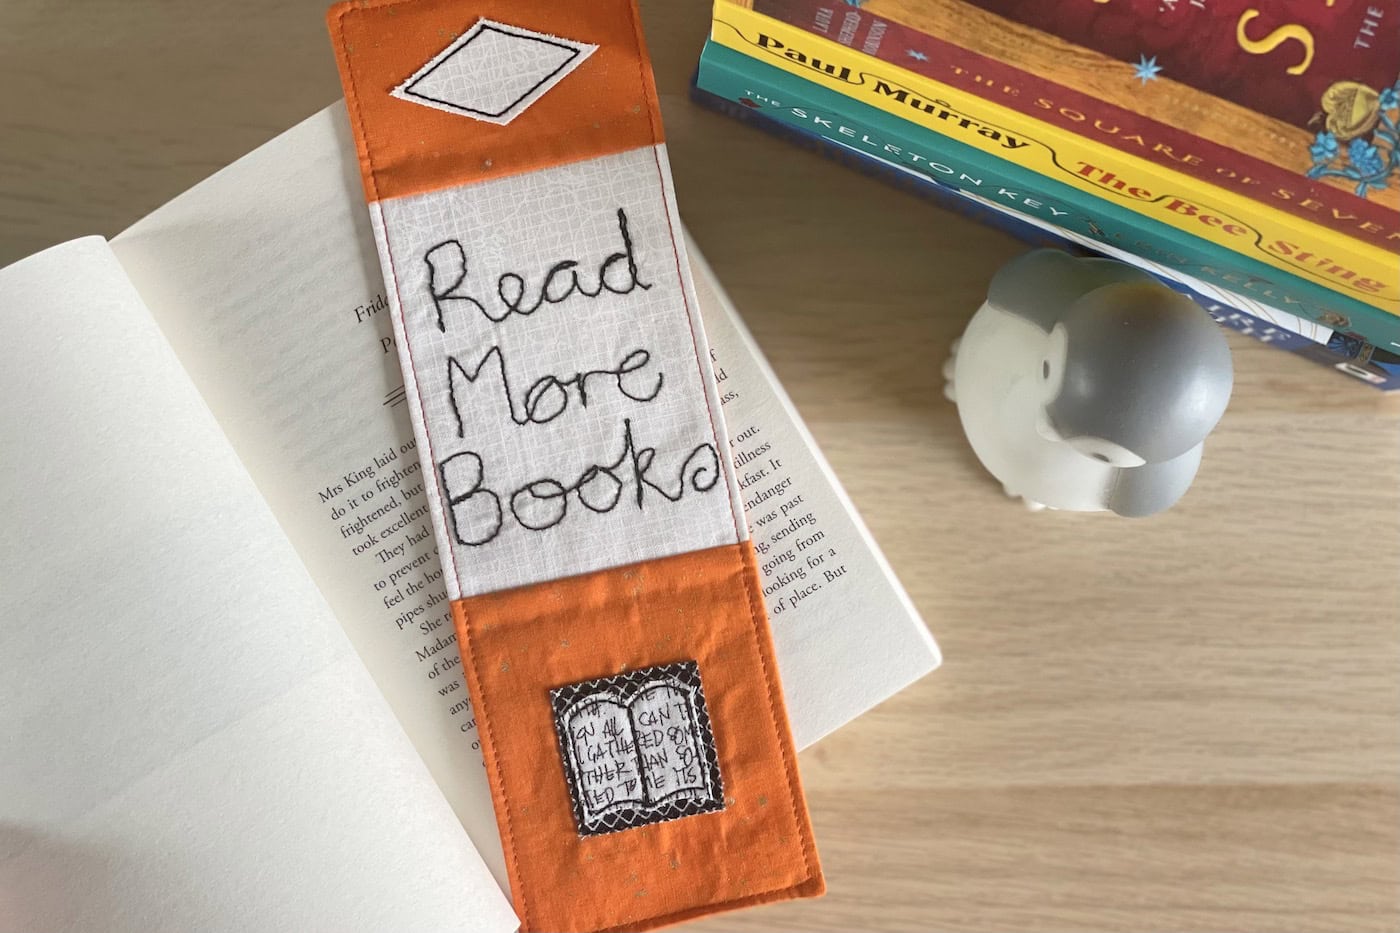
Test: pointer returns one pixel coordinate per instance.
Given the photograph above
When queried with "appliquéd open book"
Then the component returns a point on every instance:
(231, 693)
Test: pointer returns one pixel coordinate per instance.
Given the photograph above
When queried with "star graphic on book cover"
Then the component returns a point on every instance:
(1146, 69)
(916, 55)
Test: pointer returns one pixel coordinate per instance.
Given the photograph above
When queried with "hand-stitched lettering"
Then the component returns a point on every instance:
(447, 274)
(450, 256)
(548, 396)
(480, 503)
(476, 510)
(638, 748)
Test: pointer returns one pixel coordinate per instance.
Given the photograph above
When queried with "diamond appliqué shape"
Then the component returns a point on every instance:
(493, 72)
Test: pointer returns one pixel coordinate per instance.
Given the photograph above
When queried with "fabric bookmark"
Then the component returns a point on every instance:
(606, 600)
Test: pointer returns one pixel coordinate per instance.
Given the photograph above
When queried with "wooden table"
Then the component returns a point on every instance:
(1190, 722)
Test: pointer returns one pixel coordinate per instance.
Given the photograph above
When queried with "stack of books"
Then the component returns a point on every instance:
(1247, 153)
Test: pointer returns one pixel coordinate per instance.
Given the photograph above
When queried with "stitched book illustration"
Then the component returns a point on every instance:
(205, 423)
(638, 747)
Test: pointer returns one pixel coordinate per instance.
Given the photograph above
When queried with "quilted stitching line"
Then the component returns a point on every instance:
(483, 719)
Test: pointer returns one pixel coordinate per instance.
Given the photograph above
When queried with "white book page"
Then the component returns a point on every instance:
(266, 281)
(845, 632)
(189, 741)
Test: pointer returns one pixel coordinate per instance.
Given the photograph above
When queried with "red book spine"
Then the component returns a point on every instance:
(1275, 57)
(1092, 119)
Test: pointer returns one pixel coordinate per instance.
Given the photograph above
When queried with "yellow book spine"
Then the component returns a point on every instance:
(1293, 245)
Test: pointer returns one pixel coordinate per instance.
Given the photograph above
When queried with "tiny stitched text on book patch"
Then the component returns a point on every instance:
(638, 748)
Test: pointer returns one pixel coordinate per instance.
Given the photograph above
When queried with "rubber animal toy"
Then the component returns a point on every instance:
(1087, 385)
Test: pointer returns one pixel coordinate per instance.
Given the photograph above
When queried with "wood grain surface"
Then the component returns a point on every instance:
(1190, 722)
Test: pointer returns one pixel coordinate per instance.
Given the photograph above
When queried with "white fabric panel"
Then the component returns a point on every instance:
(612, 411)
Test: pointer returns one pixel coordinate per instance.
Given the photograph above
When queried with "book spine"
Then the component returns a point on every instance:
(1276, 329)
(1275, 57)
(850, 123)
(1298, 254)
(890, 173)
(934, 51)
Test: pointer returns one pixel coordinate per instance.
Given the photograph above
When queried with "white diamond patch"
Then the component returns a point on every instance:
(493, 72)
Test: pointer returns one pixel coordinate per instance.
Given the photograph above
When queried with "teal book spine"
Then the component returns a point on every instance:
(863, 129)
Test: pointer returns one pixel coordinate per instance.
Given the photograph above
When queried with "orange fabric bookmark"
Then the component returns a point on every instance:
(526, 641)
(604, 592)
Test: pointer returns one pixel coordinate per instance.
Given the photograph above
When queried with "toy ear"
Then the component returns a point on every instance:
(1041, 285)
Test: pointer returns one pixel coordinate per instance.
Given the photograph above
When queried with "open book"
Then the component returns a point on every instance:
(231, 696)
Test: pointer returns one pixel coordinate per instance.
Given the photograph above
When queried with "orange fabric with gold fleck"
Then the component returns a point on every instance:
(609, 104)
(702, 606)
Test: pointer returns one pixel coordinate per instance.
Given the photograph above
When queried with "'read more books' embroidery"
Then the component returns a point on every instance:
(572, 425)
(638, 748)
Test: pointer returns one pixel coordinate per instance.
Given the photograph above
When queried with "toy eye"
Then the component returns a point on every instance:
(1045, 369)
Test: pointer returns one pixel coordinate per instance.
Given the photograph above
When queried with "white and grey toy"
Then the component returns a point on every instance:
(1087, 385)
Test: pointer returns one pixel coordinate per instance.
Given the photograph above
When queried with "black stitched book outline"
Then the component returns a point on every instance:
(652, 760)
